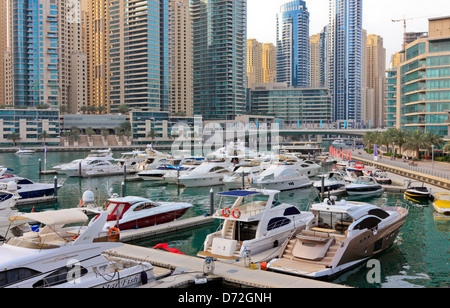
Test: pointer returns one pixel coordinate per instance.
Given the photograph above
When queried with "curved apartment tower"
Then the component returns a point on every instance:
(293, 44)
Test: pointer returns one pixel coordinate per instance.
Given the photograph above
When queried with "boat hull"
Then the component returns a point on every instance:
(282, 185)
(152, 220)
(202, 181)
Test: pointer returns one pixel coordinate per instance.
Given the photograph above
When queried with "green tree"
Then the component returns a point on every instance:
(14, 137)
(416, 142)
(152, 134)
(44, 135)
(123, 109)
(90, 132)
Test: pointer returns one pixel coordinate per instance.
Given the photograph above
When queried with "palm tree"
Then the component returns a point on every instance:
(431, 138)
(14, 137)
(152, 134)
(400, 138)
(416, 142)
(447, 147)
(90, 132)
(44, 136)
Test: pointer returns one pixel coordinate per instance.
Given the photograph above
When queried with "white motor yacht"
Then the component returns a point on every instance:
(94, 155)
(254, 223)
(136, 212)
(333, 180)
(96, 168)
(209, 173)
(339, 143)
(363, 186)
(157, 174)
(131, 159)
(58, 256)
(308, 168)
(248, 170)
(8, 200)
(280, 177)
(27, 188)
(341, 235)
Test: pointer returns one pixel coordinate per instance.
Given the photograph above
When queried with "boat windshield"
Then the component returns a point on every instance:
(364, 181)
(116, 210)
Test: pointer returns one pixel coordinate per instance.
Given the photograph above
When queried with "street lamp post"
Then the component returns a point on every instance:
(432, 157)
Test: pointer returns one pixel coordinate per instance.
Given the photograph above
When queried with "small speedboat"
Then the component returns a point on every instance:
(364, 185)
(417, 193)
(137, 212)
(442, 203)
(24, 152)
(333, 180)
(339, 143)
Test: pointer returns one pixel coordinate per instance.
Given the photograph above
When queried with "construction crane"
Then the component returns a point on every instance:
(404, 26)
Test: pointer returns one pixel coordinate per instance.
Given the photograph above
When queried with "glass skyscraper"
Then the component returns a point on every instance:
(139, 54)
(219, 58)
(293, 44)
(345, 58)
(35, 52)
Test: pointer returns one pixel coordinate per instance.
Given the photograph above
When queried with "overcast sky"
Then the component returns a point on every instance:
(377, 16)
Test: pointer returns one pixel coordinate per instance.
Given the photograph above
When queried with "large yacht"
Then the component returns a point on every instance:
(341, 236)
(94, 155)
(280, 177)
(61, 256)
(209, 173)
(255, 222)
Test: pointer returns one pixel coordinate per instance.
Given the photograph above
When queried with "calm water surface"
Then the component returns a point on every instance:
(420, 258)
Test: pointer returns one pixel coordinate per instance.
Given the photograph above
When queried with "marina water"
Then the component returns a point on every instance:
(420, 257)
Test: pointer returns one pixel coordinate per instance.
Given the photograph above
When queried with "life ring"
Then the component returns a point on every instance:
(114, 236)
(226, 212)
(236, 213)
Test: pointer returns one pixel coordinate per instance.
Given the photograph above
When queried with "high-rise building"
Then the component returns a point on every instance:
(255, 71)
(4, 6)
(293, 44)
(423, 82)
(269, 59)
(139, 54)
(44, 37)
(181, 72)
(96, 47)
(220, 49)
(315, 60)
(376, 66)
(345, 58)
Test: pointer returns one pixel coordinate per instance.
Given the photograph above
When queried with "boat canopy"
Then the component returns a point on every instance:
(355, 209)
(61, 217)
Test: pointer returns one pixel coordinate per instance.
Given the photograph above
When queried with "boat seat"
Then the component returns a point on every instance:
(312, 245)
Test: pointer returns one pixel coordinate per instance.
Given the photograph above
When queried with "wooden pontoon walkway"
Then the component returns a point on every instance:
(191, 268)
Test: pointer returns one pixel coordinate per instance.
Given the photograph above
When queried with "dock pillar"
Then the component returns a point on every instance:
(123, 189)
(40, 166)
(55, 185)
(211, 202)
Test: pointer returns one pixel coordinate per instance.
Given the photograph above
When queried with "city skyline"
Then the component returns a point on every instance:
(262, 19)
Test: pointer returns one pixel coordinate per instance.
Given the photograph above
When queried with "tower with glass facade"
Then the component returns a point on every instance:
(423, 82)
(345, 58)
(139, 54)
(293, 44)
(35, 46)
(219, 53)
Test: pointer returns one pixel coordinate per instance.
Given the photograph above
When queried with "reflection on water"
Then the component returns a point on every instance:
(419, 258)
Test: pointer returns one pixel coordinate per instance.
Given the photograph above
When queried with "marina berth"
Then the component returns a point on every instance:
(60, 256)
(255, 222)
(340, 236)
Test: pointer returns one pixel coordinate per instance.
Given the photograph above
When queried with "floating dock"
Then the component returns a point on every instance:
(189, 269)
